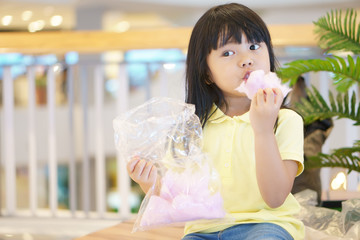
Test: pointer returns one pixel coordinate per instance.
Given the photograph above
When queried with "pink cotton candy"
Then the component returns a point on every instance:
(158, 212)
(188, 208)
(182, 208)
(184, 196)
(259, 80)
(195, 183)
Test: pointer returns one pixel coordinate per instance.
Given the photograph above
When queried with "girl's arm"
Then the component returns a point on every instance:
(142, 172)
(275, 177)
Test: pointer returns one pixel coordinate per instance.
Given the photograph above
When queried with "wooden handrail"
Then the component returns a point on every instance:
(100, 41)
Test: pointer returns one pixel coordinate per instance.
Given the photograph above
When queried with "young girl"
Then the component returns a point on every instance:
(255, 145)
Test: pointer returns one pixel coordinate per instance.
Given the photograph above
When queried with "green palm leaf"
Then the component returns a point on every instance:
(316, 108)
(339, 33)
(342, 157)
(345, 73)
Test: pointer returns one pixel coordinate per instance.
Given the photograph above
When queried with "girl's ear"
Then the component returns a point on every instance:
(208, 79)
(208, 82)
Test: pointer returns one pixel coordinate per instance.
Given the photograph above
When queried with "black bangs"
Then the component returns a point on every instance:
(228, 24)
(232, 33)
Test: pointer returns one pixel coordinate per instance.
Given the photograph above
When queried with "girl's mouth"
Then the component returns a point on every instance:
(246, 76)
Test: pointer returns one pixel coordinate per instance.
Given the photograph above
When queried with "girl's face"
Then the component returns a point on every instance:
(232, 63)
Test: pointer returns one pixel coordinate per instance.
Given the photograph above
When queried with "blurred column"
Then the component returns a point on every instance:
(90, 18)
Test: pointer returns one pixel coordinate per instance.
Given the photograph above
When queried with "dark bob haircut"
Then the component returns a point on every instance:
(214, 29)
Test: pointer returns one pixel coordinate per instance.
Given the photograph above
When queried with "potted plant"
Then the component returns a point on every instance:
(338, 31)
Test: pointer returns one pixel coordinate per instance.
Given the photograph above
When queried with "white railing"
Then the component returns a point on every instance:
(8, 141)
(88, 127)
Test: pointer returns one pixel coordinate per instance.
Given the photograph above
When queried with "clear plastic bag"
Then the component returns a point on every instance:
(350, 215)
(323, 223)
(168, 133)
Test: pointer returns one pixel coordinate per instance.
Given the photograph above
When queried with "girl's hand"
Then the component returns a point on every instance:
(142, 172)
(264, 109)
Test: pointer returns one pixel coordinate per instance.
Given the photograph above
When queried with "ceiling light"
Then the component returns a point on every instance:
(26, 15)
(339, 181)
(56, 20)
(6, 20)
(58, 68)
(123, 26)
(36, 26)
(169, 66)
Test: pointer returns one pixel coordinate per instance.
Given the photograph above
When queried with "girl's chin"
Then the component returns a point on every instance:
(241, 95)
(235, 95)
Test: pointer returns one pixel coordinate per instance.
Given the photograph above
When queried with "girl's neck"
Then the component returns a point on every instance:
(236, 106)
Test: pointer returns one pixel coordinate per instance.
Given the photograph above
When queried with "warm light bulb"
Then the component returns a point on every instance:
(36, 26)
(338, 181)
(56, 20)
(6, 20)
(26, 15)
(123, 26)
(58, 68)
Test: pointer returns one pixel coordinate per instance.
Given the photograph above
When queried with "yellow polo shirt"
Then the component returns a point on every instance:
(229, 141)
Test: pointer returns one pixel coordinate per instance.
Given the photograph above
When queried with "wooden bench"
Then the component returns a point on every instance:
(123, 230)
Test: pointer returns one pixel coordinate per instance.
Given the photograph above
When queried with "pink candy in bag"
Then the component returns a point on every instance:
(184, 196)
(259, 80)
(168, 133)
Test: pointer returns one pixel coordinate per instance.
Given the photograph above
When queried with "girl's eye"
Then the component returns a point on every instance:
(254, 46)
(228, 53)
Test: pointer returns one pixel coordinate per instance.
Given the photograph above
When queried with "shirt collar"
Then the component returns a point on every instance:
(218, 116)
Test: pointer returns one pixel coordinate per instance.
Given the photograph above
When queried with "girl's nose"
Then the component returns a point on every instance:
(246, 62)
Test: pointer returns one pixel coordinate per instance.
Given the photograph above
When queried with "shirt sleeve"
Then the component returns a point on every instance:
(290, 137)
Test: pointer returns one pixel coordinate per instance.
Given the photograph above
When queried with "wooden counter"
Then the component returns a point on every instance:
(123, 230)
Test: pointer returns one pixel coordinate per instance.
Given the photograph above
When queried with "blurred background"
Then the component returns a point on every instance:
(120, 15)
(58, 157)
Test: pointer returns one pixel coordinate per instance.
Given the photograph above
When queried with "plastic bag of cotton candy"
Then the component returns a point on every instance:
(259, 80)
(167, 133)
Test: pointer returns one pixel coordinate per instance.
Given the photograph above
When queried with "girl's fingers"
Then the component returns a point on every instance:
(147, 170)
(130, 166)
(142, 172)
(279, 96)
(270, 98)
(139, 168)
